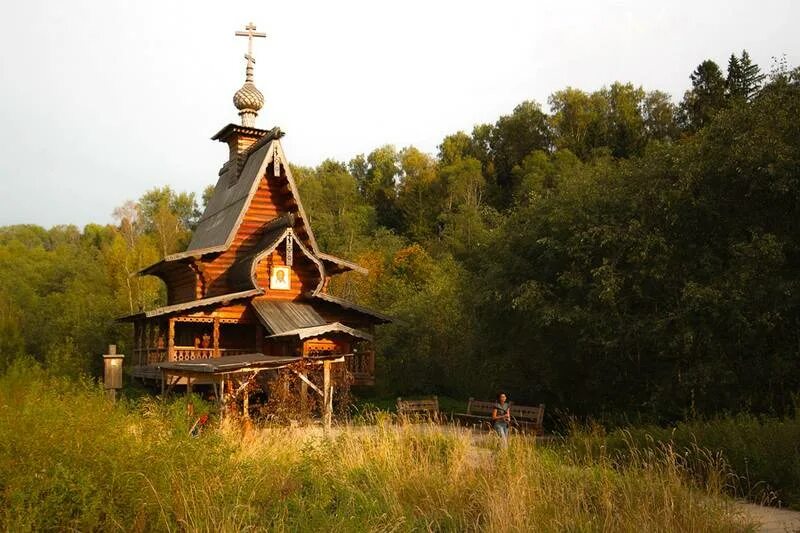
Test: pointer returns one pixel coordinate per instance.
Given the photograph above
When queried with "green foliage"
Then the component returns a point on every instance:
(705, 98)
(513, 137)
(168, 215)
(61, 289)
(340, 216)
(621, 119)
(377, 176)
(744, 77)
(606, 258)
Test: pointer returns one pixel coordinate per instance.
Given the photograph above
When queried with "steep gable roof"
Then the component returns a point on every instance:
(233, 193)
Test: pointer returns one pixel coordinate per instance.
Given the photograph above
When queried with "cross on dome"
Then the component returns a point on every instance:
(250, 32)
(249, 100)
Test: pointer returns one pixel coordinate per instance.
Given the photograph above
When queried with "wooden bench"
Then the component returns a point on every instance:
(524, 418)
(528, 419)
(479, 413)
(422, 408)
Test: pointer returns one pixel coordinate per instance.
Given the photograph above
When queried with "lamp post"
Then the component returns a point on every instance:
(112, 366)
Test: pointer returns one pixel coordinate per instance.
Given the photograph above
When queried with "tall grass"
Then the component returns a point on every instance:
(764, 453)
(70, 459)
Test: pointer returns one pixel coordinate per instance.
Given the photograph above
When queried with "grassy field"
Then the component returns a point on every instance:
(72, 460)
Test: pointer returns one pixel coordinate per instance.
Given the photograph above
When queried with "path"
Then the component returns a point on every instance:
(773, 520)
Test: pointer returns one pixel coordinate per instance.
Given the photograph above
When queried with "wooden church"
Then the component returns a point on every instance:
(251, 291)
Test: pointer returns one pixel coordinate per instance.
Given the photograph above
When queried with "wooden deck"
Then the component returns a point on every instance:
(360, 365)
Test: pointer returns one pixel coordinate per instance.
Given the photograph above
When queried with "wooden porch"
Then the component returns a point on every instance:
(167, 341)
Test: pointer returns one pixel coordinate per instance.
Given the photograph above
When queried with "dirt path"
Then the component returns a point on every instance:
(773, 520)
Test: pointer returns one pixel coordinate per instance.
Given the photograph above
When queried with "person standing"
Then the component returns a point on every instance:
(501, 417)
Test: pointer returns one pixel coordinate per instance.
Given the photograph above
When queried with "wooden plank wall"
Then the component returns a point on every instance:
(304, 274)
(181, 285)
(272, 199)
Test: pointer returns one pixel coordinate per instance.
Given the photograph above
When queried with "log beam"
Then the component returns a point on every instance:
(171, 340)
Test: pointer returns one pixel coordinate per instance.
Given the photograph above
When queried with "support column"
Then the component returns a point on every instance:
(137, 346)
(146, 341)
(371, 361)
(303, 387)
(222, 396)
(216, 336)
(171, 340)
(327, 400)
(303, 397)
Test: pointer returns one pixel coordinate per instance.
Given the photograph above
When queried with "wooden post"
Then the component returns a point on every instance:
(371, 362)
(146, 342)
(142, 342)
(137, 354)
(216, 336)
(327, 404)
(171, 340)
(303, 396)
(112, 371)
(246, 404)
(303, 388)
(222, 396)
(188, 385)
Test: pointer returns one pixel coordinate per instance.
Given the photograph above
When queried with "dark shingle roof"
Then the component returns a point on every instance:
(346, 304)
(316, 331)
(280, 317)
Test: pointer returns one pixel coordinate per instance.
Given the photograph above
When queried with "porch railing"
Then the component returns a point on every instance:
(151, 356)
(361, 366)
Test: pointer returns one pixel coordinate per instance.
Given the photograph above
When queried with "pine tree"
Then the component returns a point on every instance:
(744, 77)
(705, 98)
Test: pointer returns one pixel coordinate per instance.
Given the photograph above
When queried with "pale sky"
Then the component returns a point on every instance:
(101, 100)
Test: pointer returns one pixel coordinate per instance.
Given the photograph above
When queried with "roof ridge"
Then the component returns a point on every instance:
(271, 135)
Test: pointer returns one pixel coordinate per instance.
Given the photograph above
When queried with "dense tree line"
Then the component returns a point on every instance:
(615, 253)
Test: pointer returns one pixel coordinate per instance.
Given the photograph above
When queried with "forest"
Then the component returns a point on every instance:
(619, 254)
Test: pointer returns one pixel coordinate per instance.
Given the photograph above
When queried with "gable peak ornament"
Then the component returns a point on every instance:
(248, 99)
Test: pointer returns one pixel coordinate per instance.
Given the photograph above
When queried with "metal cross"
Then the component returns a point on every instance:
(250, 32)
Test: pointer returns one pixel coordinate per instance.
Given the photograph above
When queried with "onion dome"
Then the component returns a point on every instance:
(248, 100)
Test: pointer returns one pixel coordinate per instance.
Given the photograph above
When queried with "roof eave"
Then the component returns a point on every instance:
(343, 264)
(192, 304)
(325, 297)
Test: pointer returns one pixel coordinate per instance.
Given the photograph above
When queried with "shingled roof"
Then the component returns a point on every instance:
(279, 317)
(233, 193)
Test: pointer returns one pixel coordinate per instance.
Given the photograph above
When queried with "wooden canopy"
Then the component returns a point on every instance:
(239, 363)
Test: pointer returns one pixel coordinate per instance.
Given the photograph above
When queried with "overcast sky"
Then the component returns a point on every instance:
(102, 100)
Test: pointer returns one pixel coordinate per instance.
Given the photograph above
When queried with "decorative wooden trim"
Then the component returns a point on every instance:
(205, 320)
(289, 233)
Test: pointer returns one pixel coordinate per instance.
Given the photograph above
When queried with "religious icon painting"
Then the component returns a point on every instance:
(280, 278)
